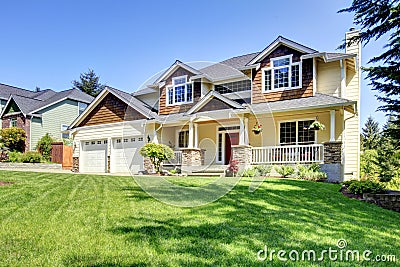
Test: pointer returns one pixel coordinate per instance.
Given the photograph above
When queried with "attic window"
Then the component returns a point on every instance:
(181, 91)
(282, 74)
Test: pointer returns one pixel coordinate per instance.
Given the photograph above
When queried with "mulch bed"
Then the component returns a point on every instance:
(2, 183)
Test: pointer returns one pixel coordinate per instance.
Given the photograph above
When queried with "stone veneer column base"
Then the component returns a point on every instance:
(333, 161)
(192, 157)
(242, 154)
(147, 165)
(75, 164)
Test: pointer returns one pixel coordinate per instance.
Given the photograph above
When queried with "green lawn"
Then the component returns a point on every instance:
(89, 220)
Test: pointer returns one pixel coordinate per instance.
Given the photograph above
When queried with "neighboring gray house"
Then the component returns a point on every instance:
(40, 112)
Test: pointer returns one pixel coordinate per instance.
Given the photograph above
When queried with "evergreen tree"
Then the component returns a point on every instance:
(370, 134)
(388, 154)
(89, 83)
(381, 19)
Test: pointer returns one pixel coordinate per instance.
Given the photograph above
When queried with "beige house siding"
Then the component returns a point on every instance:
(328, 78)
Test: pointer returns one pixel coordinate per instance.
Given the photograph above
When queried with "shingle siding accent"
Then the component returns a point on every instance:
(110, 110)
(164, 109)
(258, 96)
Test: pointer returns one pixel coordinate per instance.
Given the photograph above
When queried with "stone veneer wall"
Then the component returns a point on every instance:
(75, 164)
(242, 154)
(332, 152)
(390, 201)
(192, 157)
(333, 161)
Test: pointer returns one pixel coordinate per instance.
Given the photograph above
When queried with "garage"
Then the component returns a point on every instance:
(94, 156)
(125, 155)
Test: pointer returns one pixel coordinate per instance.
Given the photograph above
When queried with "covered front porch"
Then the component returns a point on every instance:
(285, 138)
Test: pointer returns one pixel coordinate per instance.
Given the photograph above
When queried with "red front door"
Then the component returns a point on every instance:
(231, 139)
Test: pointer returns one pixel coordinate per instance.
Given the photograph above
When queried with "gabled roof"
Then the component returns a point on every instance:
(329, 57)
(144, 91)
(207, 98)
(30, 102)
(7, 90)
(240, 62)
(178, 64)
(279, 41)
(220, 71)
(126, 98)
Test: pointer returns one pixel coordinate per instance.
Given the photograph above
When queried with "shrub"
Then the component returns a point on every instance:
(15, 156)
(284, 170)
(28, 157)
(249, 172)
(44, 146)
(14, 138)
(157, 153)
(366, 186)
(263, 170)
(312, 172)
(32, 157)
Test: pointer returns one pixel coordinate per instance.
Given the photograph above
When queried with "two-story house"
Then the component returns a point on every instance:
(207, 114)
(40, 112)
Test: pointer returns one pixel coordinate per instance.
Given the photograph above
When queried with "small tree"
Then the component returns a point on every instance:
(14, 138)
(44, 146)
(157, 153)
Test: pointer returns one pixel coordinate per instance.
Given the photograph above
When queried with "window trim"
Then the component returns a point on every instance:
(62, 126)
(272, 68)
(11, 122)
(173, 86)
(297, 130)
(185, 136)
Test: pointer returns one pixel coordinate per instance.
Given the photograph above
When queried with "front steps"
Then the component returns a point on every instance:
(204, 171)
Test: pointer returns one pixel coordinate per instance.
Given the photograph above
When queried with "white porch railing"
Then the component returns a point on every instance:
(177, 160)
(288, 154)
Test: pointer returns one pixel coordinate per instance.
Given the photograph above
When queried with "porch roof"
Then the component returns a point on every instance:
(317, 101)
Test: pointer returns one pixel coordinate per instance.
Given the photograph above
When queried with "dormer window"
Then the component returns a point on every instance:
(181, 91)
(282, 74)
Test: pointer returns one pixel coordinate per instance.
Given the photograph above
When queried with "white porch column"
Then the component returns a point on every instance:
(155, 138)
(332, 133)
(190, 141)
(196, 136)
(246, 131)
(241, 131)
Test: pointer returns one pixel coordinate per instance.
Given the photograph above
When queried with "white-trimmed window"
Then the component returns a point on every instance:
(13, 122)
(181, 91)
(183, 139)
(282, 74)
(296, 133)
(81, 107)
(64, 127)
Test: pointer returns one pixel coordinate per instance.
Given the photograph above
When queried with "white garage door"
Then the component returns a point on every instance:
(125, 155)
(94, 156)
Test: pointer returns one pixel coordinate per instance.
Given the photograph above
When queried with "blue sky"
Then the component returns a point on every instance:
(49, 43)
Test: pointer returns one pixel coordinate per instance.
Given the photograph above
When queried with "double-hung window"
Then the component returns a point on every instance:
(282, 74)
(296, 133)
(183, 139)
(180, 92)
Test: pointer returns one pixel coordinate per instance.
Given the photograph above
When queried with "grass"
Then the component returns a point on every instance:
(88, 220)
